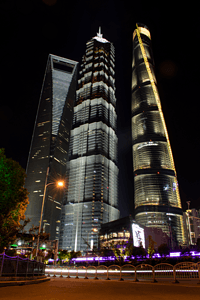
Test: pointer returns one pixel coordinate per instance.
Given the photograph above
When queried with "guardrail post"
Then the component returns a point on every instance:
(27, 268)
(96, 278)
(54, 272)
(43, 270)
(76, 273)
(48, 273)
(198, 273)
(135, 280)
(86, 274)
(61, 273)
(39, 265)
(154, 279)
(33, 268)
(2, 264)
(120, 277)
(16, 266)
(107, 275)
(68, 273)
(174, 273)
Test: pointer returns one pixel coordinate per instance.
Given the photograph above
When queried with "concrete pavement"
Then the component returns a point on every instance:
(80, 289)
(12, 281)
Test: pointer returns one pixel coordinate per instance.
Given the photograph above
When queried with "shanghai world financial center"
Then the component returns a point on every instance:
(76, 137)
(50, 143)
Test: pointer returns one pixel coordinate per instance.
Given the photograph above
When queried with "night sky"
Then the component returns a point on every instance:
(30, 30)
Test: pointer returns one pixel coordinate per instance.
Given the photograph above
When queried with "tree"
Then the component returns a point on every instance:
(152, 244)
(163, 250)
(13, 199)
(115, 249)
(75, 254)
(185, 251)
(64, 255)
(130, 249)
(68, 255)
(34, 232)
(140, 251)
(106, 251)
(47, 256)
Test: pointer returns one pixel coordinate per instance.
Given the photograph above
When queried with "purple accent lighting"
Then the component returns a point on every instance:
(112, 258)
(174, 254)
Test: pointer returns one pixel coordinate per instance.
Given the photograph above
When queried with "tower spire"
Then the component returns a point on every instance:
(99, 33)
(99, 37)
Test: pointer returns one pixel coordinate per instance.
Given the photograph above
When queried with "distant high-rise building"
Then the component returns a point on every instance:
(50, 143)
(192, 226)
(156, 193)
(92, 194)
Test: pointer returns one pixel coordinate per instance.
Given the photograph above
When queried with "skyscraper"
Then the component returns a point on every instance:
(156, 193)
(50, 143)
(92, 194)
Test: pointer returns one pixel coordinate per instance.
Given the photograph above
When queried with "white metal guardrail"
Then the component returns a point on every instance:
(162, 271)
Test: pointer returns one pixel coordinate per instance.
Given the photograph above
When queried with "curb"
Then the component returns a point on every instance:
(23, 282)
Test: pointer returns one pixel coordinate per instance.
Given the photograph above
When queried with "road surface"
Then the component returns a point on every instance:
(80, 289)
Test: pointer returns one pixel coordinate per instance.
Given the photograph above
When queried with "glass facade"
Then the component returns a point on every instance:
(156, 193)
(92, 172)
(50, 143)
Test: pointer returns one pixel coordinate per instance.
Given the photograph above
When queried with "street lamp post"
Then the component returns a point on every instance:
(97, 232)
(60, 184)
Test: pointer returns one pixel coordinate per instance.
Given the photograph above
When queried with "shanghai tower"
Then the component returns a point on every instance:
(92, 172)
(50, 144)
(156, 194)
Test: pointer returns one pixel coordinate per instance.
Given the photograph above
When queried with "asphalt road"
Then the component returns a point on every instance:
(80, 289)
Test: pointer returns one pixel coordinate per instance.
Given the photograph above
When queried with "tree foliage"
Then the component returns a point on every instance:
(140, 251)
(13, 199)
(163, 250)
(121, 249)
(68, 255)
(33, 234)
(151, 247)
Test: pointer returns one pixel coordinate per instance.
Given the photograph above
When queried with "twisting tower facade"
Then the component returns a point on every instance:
(92, 194)
(156, 193)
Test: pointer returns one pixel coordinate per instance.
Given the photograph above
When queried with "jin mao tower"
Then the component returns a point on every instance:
(156, 194)
(92, 193)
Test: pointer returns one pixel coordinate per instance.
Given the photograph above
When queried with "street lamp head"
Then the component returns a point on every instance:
(60, 183)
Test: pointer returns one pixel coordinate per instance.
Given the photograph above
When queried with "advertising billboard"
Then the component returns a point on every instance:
(138, 235)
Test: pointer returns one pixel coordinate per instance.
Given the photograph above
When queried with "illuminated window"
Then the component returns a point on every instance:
(127, 234)
(120, 234)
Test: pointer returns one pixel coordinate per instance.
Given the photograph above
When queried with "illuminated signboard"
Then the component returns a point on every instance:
(138, 235)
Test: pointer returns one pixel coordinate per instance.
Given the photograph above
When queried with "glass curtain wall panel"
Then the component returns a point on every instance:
(92, 172)
(156, 194)
(50, 144)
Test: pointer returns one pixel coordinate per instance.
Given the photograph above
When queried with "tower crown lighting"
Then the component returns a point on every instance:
(100, 38)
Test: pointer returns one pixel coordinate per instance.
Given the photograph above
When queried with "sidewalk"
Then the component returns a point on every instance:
(10, 281)
(76, 289)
